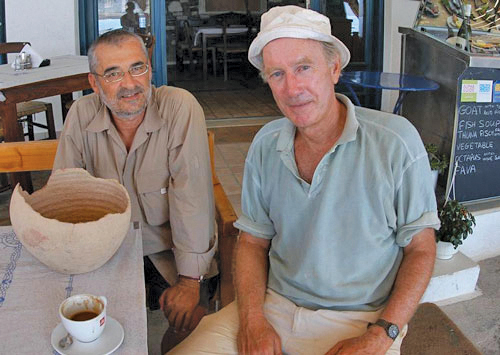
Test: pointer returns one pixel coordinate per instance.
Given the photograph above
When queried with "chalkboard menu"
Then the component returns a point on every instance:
(476, 147)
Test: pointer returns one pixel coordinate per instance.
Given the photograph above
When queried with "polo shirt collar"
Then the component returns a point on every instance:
(286, 136)
(351, 123)
(152, 120)
(287, 133)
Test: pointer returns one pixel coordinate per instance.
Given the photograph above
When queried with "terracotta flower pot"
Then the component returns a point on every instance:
(75, 223)
(445, 250)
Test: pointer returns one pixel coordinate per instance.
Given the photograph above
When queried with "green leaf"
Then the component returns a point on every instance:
(456, 223)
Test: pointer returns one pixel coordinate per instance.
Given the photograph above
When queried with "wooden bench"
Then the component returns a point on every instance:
(432, 332)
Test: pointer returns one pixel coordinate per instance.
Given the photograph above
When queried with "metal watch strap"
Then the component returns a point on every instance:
(391, 329)
(199, 279)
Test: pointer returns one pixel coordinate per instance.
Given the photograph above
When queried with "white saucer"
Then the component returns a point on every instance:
(110, 339)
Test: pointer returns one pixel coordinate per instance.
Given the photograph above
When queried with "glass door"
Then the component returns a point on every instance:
(132, 16)
(359, 25)
(139, 16)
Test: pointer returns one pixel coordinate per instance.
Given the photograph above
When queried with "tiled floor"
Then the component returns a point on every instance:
(231, 99)
(231, 147)
(242, 103)
(229, 164)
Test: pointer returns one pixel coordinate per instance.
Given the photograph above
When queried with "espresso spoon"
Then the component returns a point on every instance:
(66, 341)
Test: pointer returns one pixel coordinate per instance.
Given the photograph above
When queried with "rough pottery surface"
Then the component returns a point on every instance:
(75, 223)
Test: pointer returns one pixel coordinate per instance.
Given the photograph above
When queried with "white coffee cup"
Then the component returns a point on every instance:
(84, 316)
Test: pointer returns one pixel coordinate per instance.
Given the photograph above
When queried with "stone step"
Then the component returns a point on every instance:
(453, 280)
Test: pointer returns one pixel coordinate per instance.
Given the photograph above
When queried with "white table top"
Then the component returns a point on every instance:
(217, 31)
(30, 295)
(59, 67)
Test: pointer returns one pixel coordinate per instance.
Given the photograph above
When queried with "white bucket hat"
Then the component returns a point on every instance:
(294, 22)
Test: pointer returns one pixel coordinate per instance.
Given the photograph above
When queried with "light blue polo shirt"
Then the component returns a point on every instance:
(337, 243)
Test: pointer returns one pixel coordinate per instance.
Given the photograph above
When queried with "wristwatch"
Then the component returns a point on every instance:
(199, 279)
(391, 329)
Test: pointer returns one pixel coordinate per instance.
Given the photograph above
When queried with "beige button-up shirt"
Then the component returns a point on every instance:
(166, 172)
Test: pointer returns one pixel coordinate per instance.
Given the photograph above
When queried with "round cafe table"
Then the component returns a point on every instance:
(390, 81)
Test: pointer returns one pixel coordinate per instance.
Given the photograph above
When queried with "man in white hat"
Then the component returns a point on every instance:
(338, 209)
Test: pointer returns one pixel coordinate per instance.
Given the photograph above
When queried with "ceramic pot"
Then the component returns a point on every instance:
(435, 175)
(75, 223)
(445, 250)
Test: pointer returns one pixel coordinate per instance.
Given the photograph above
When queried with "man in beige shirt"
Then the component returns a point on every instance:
(154, 142)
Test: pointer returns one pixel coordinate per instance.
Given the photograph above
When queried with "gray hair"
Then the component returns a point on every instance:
(114, 37)
(330, 51)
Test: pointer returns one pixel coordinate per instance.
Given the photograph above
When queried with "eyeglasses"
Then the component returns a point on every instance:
(117, 75)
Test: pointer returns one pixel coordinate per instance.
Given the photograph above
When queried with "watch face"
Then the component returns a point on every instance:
(393, 331)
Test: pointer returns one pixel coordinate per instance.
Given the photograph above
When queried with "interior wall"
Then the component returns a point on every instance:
(52, 29)
(396, 13)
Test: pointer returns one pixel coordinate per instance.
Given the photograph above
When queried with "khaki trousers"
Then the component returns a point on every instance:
(302, 331)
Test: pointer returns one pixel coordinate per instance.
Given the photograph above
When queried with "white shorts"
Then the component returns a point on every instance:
(302, 331)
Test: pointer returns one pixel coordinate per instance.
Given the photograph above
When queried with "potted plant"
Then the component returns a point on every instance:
(438, 162)
(456, 225)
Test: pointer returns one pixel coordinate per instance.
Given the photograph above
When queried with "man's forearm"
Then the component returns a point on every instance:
(412, 279)
(250, 274)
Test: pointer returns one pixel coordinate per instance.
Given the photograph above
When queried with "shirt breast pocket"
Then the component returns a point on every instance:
(152, 191)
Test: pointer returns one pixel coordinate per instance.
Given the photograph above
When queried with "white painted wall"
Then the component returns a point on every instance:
(52, 29)
(484, 242)
(396, 13)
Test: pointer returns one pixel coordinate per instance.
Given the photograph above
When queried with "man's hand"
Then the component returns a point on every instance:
(258, 337)
(179, 302)
(374, 341)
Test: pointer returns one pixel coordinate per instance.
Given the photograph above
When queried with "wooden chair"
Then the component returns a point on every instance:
(12, 47)
(225, 216)
(234, 46)
(39, 156)
(26, 110)
(185, 44)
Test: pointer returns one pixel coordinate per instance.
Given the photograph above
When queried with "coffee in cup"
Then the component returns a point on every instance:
(84, 316)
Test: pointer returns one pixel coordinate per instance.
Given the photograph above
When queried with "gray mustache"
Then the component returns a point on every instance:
(128, 92)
